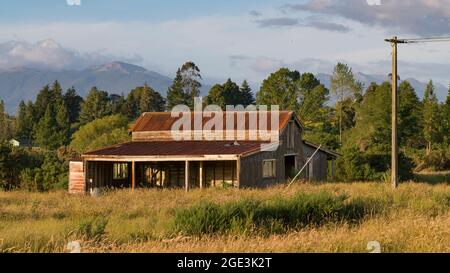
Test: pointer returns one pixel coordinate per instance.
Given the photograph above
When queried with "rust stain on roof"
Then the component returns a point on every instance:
(149, 122)
(179, 148)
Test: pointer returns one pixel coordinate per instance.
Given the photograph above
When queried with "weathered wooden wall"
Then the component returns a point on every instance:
(77, 183)
(252, 166)
(318, 169)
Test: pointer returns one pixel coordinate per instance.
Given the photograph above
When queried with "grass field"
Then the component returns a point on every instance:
(333, 217)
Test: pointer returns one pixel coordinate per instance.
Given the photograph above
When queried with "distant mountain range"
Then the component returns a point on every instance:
(441, 90)
(119, 78)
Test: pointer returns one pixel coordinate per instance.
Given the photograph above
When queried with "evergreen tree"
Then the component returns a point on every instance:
(175, 94)
(73, 104)
(117, 104)
(446, 117)
(143, 99)
(95, 106)
(43, 99)
(247, 94)
(216, 96)
(232, 93)
(430, 116)
(45, 130)
(191, 76)
(409, 116)
(373, 125)
(63, 125)
(56, 93)
(5, 129)
(23, 129)
(185, 87)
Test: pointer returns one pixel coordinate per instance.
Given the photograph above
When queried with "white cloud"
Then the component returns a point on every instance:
(48, 54)
(73, 2)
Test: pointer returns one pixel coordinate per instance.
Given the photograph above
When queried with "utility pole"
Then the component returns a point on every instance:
(394, 43)
(394, 153)
(394, 140)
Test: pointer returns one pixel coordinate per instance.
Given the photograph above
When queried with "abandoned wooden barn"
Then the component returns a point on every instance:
(156, 158)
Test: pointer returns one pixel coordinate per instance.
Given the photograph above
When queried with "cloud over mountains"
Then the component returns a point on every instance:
(48, 54)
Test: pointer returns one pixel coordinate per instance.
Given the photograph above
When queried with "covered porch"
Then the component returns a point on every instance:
(162, 173)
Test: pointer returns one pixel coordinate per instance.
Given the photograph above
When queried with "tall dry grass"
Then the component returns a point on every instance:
(414, 218)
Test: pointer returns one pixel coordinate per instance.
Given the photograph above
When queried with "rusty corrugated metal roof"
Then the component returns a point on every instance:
(179, 148)
(148, 122)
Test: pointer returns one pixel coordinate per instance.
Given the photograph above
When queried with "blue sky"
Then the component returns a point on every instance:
(241, 39)
(119, 10)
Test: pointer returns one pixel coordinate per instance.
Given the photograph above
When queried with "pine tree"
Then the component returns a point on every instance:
(95, 106)
(24, 122)
(430, 116)
(43, 99)
(117, 104)
(247, 95)
(446, 118)
(63, 125)
(150, 100)
(5, 132)
(216, 96)
(56, 93)
(73, 103)
(373, 125)
(143, 99)
(185, 87)
(46, 130)
(175, 94)
(231, 93)
(409, 116)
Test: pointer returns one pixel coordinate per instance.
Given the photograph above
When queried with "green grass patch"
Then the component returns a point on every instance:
(273, 216)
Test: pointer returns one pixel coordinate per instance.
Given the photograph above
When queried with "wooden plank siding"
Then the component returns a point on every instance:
(318, 167)
(77, 183)
(253, 165)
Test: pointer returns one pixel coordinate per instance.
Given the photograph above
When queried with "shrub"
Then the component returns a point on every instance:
(373, 164)
(106, 131)
(92, 228)
(278, 215)
(438, 159)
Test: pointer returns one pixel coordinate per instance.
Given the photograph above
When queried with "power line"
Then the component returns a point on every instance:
(419, 40)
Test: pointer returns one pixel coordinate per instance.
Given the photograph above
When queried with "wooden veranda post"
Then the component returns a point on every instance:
(201, 174)
(238, 173)
(133, 175)
(186, 176)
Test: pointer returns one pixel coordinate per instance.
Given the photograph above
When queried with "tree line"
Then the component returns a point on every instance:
(357, 124)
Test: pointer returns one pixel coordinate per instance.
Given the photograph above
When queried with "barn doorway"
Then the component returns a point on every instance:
(290, 166)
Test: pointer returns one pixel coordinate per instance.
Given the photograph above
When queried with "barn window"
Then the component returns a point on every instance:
(120, 171)
(269, 168)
